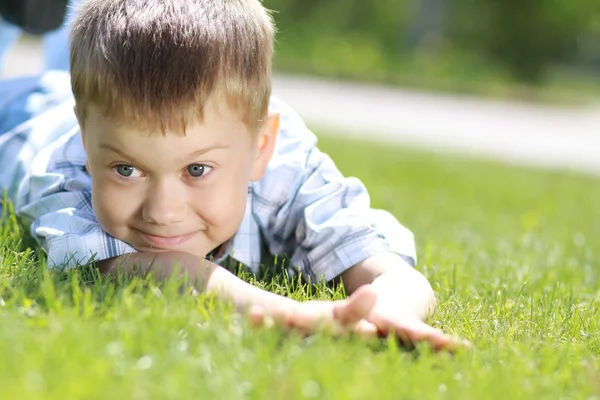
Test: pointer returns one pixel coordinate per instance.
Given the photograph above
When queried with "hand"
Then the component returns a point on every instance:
(411, 330)
(361, 314)
(308, 317)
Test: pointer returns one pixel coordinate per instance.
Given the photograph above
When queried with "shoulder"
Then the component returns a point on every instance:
(294, 137)
(295, 142)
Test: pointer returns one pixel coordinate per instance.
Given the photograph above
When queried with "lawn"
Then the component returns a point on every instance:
(512, 254)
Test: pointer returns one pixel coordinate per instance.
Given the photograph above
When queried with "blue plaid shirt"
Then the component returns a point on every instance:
(303, 207)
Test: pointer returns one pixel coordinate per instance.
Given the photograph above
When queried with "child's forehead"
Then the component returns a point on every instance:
(150, 147)
(213, 117)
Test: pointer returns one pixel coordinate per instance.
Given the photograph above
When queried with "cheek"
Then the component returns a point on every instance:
(223, 204)
(113, 206)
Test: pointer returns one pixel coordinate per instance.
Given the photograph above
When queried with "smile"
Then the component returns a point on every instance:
(165, 241)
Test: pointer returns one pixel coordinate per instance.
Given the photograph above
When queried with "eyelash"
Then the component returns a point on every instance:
(115, 169)
(195, 178)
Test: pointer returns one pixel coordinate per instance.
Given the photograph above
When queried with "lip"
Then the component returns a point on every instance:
(163, 242)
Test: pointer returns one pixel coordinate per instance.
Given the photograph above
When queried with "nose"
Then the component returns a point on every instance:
(164, 204)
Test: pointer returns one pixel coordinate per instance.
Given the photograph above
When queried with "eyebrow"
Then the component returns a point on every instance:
(197, 153)
(114, 149)
(209, 148)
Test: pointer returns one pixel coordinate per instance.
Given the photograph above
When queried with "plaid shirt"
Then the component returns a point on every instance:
(302, 208)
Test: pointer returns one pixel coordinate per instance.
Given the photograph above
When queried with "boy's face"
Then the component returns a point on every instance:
(175, 193)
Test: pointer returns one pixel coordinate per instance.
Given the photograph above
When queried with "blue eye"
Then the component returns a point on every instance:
(197, 170)
(124, 170)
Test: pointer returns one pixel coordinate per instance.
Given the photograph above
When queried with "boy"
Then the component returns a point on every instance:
(178, 154)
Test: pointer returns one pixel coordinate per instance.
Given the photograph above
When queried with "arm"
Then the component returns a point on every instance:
(204, 275)
(208, 277)
(404, 299)
(397, 284)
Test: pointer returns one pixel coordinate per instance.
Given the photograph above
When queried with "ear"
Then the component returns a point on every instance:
(265, 146)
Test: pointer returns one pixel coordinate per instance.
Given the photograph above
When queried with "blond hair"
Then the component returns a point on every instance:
(157, 62)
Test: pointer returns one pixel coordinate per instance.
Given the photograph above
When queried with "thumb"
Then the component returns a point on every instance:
(355, 307)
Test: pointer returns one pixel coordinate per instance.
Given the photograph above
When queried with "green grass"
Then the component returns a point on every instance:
(512, 254)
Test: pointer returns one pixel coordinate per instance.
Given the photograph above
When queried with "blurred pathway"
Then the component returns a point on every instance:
(520, 133)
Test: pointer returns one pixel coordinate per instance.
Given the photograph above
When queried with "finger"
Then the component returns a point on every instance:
(413, 330)
(434, 337)
(365, 329)
(306, 317)
(450, 343)
(257, 317)
(438, 339)
(356, 307)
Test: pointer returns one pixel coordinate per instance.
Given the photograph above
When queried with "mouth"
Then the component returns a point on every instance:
(165, 242)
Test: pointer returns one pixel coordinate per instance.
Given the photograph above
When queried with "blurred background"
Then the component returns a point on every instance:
(518, 80)
(533, 49)
(546, 50)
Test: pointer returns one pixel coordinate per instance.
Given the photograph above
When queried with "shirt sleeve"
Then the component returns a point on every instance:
(307, 209)
(55, 200)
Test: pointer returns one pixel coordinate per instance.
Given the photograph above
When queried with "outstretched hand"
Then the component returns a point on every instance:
(360, 314)
(411, 330)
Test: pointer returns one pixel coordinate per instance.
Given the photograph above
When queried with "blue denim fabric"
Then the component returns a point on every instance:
(56, 43)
